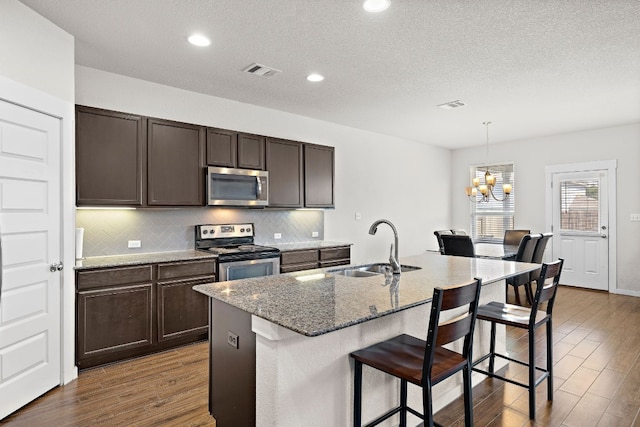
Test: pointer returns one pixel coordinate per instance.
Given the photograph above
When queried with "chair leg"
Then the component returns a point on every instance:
(532, 374)
(549, 361)
(492, 347)
(357, 394)
(468, 399)
(403, 403)
(517, 292)
(427, 405)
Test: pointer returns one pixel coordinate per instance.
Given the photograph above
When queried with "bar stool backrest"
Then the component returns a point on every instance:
(440, 334)
(547, 288)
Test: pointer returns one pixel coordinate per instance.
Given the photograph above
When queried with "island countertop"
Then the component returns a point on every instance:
(330, 301)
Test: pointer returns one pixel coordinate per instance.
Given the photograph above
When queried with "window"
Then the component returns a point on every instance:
(490, 219)
(579, 205)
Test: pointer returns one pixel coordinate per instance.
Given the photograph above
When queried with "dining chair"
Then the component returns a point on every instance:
(513, 237)
(458, 245)
(538, 254)
(425, 363)
(530, 319)
(439, 234)
(525, 254)
(459, 232)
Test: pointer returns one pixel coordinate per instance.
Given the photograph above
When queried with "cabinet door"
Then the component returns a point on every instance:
(221, 148)
(318, 176)
(284, 163)
(110, 157)
(251, 151)
(113, 320)
(175, 164)
(181, 310)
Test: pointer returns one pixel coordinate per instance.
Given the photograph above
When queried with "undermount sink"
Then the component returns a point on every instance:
(369, 270)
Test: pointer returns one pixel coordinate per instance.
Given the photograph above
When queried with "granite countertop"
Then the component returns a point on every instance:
(142, 258)
(316, 244)
(330, 301)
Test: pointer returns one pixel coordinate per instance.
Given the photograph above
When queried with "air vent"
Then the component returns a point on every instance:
(261, 70)
(451, 105)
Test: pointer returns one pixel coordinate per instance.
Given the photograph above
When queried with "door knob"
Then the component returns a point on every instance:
(56, 267)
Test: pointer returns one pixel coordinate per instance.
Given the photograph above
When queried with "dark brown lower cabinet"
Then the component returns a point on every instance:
(125, 312)
(307, 259)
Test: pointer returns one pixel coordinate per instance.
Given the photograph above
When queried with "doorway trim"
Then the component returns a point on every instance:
(25, 96)
(610, 166)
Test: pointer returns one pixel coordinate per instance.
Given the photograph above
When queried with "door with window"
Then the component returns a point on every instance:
(580, 206)
(30, 201)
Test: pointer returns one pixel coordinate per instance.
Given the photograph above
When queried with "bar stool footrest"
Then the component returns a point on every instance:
(500, 377)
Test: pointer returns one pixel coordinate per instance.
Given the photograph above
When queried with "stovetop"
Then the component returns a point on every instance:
(231, 241)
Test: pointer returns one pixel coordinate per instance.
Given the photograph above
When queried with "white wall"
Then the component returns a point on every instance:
(376, 175)
(34, 51)
(39, 58)
(621, 143)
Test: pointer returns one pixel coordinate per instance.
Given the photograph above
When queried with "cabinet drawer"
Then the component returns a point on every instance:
(298, 267)
(335, 253)
(324, 264)
(177, 270)
(113, 276)
(298, 257)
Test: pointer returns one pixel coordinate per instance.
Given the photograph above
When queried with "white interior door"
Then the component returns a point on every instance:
(30, 209)
(581, 227)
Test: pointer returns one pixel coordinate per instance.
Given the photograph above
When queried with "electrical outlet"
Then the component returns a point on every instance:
(277, 235)
(232, 339)
(358, 216)
(634, 217)
(134, 243)
(314, 234)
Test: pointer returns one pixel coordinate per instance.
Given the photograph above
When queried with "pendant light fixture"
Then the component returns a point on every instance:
(486, 189)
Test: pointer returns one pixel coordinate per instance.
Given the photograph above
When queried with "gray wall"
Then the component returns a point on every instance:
(107, 231)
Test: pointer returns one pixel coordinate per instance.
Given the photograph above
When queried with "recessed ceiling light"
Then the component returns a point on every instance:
(375, 6)
(315, 77)
(199, 40)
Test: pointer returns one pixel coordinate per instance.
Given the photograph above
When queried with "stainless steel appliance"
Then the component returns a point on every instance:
(238, 256)
(237, 187)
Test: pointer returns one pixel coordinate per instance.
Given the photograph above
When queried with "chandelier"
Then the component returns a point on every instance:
(486, 189)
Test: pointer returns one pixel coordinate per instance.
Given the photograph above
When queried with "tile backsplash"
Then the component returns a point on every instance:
(107, 231)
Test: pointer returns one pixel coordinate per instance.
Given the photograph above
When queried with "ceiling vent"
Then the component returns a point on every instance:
(261, 70)
(451, 105)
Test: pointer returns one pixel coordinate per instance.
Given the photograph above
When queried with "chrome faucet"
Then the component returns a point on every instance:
(393, 260)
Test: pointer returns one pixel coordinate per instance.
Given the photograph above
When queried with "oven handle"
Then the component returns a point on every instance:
(258, 188)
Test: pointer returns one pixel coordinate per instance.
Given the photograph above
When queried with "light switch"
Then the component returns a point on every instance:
(634, 217)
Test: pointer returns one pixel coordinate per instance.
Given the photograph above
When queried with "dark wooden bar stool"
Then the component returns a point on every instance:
(425, 363)
(529, 319)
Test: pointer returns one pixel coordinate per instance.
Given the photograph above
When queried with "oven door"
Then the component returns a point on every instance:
(245, 269)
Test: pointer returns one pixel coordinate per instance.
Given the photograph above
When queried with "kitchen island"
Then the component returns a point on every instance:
(285, 340)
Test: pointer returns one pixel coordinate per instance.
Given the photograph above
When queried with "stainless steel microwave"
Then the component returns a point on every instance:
(237, 187)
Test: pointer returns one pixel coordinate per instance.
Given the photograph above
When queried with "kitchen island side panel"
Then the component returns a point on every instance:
(232, 371)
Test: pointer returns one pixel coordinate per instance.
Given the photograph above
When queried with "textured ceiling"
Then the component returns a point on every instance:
(533, 68)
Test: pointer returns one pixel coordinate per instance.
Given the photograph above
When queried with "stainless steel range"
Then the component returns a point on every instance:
(238, 256)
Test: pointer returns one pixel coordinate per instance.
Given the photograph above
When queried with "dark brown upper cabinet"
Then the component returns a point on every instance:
(231, 149)
(175, 153)
(319, 176)
(251, 151)
(222, 146)
(110, 157)
(284, 163)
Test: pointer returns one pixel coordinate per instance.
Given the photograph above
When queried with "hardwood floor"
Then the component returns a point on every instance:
(596, 379)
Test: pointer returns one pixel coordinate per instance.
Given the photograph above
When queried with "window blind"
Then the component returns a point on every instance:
(490, 219)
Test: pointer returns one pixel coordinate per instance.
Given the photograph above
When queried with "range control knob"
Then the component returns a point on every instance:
(242, 230)
(248, 229)
(205, 231)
